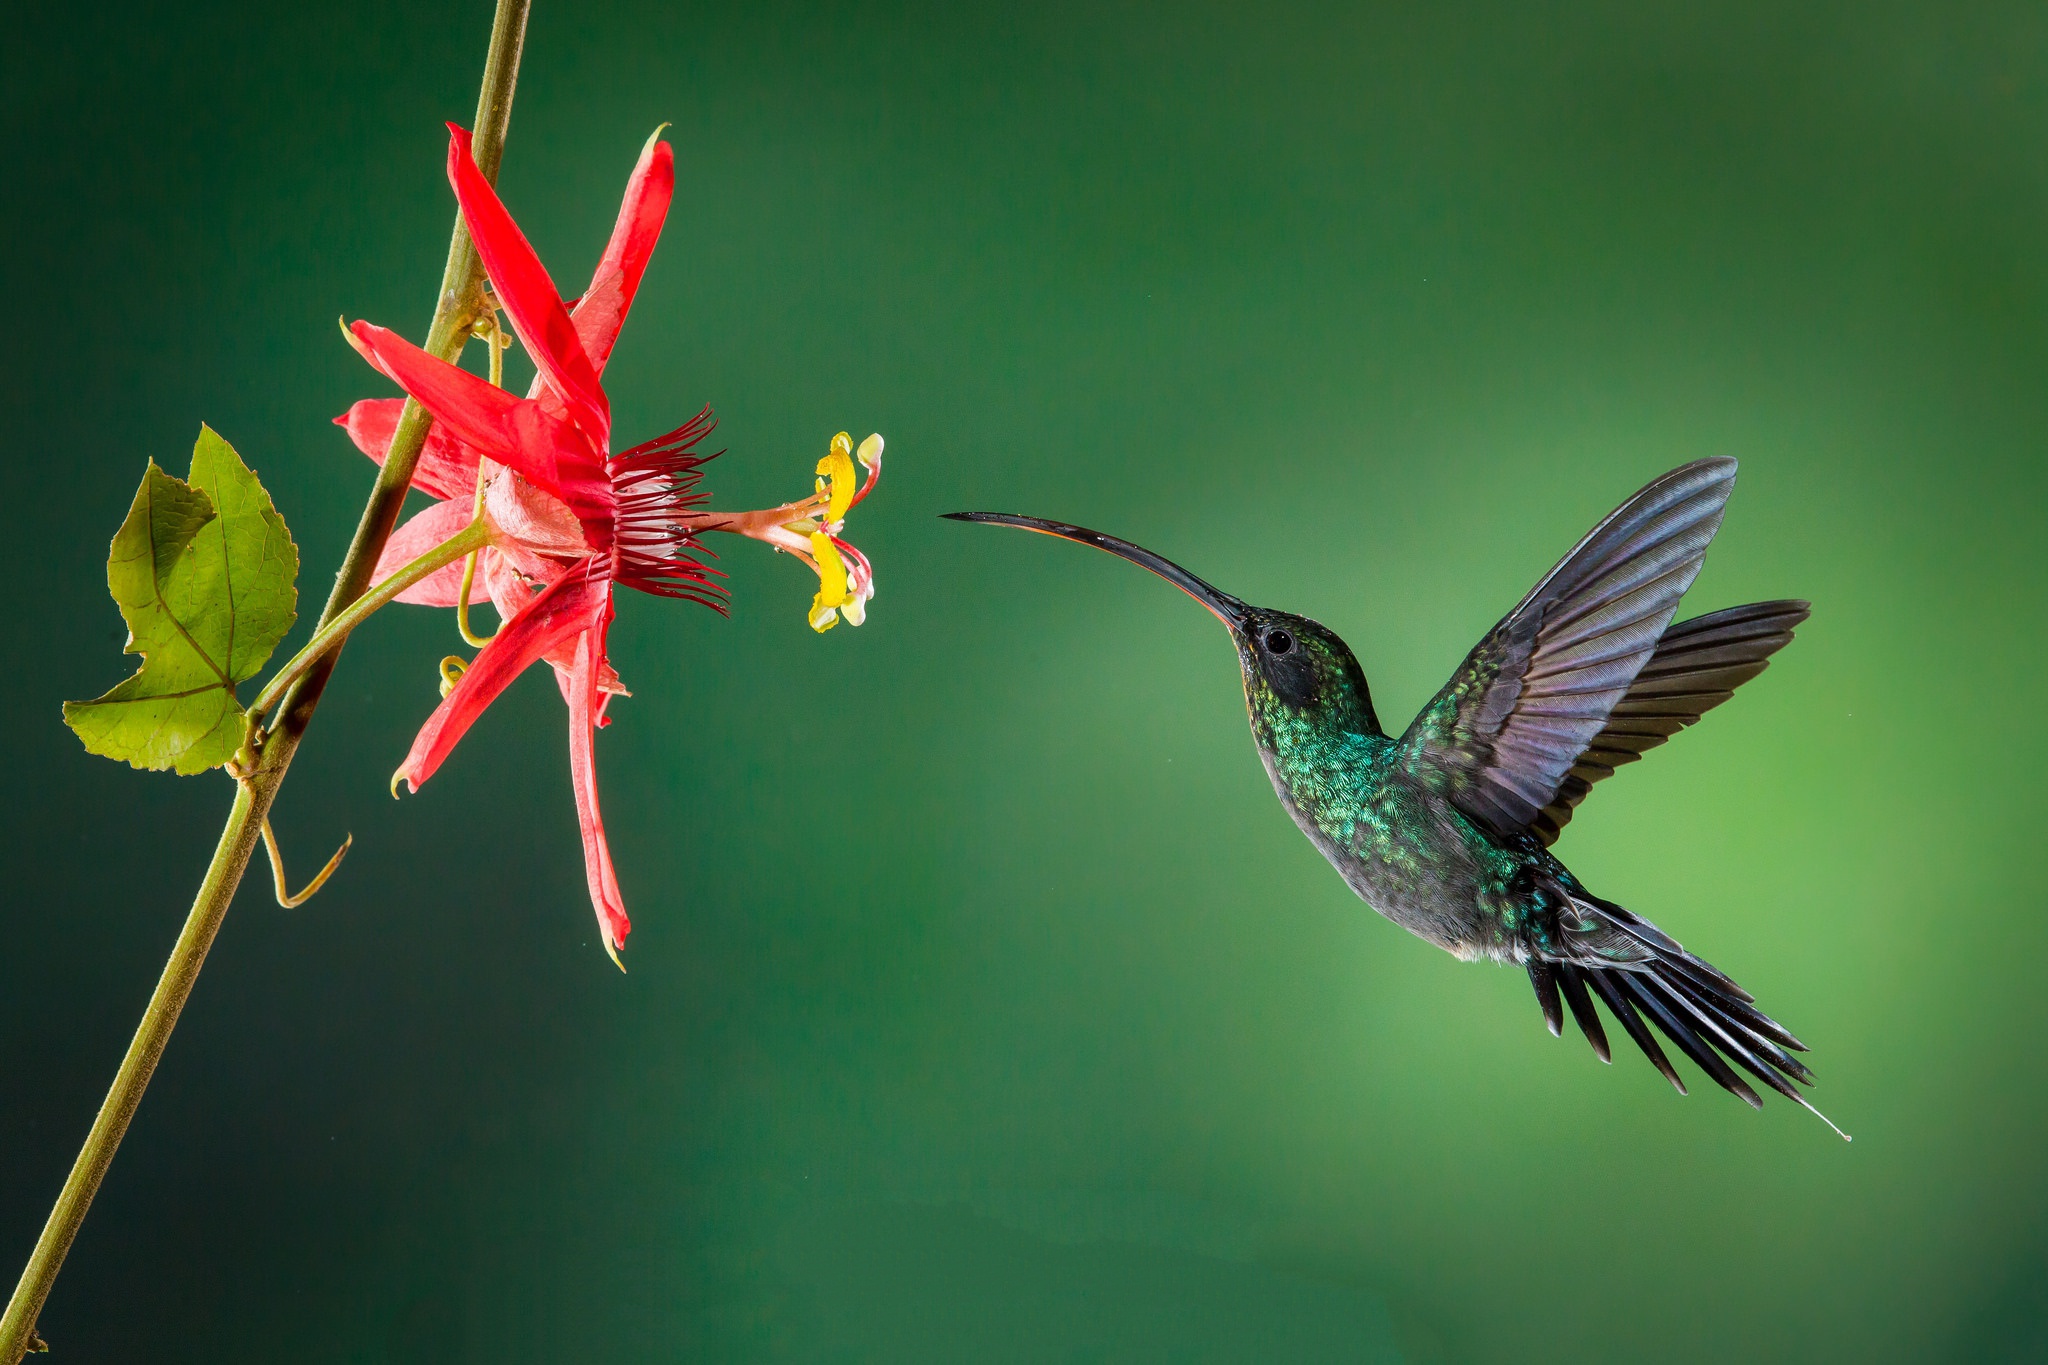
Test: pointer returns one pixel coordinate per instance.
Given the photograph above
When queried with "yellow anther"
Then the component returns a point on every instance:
(836, 470)
(831, 583)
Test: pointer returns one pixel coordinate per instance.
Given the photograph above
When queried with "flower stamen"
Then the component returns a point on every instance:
(655, 544)
(809, 530)
(832, 594)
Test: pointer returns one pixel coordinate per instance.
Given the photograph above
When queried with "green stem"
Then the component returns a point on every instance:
(457, 305)
(463, 543)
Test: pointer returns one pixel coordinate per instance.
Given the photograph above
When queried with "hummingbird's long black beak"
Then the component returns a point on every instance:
(1222, 605)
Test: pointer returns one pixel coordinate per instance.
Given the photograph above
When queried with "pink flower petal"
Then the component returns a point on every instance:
(575, 602)
(443, 587)
(514, 431)
(586, 702)
(529, 297)
(525, 515)
(513, 578)
(446, 468)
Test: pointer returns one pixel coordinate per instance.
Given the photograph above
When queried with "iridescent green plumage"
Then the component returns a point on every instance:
(1446, 829)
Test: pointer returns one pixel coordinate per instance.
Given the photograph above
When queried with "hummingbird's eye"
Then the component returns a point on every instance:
(1278, 642)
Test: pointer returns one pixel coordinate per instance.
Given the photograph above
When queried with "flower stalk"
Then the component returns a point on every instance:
(464, 543)
(460, 303)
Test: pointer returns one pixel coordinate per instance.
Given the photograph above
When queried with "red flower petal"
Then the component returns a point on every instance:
(642, 211)
(513, 431)
(586, 703)
(574, 602)
(602, 310)
(447, 466)
(443, 587)
(529, 297)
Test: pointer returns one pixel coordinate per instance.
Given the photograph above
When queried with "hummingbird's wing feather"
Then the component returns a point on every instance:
(1696, 666)
(1532, 695)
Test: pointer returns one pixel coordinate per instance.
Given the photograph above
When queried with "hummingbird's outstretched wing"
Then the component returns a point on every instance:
(1534, 693)
(1696, 666)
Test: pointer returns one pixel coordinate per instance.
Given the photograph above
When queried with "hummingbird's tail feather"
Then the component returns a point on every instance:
(1544, 980)
(1713, 1021)
(1659, 1006)
(1603, 982)
(1574, 983)
(1660, 946)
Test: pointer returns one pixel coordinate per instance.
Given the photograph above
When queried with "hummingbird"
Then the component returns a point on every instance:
(1446, 829)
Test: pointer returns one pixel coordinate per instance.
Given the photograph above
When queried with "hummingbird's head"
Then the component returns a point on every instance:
(1292, 666)
(1296, 666)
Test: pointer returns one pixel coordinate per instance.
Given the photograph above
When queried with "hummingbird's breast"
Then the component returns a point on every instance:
(1397, 842)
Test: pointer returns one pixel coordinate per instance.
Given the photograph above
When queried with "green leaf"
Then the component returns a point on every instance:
(204, 574)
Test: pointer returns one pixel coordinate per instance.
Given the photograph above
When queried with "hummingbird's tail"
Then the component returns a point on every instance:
(1641, 971)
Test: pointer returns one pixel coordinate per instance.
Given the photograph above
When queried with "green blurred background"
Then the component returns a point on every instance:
(983, 1004)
